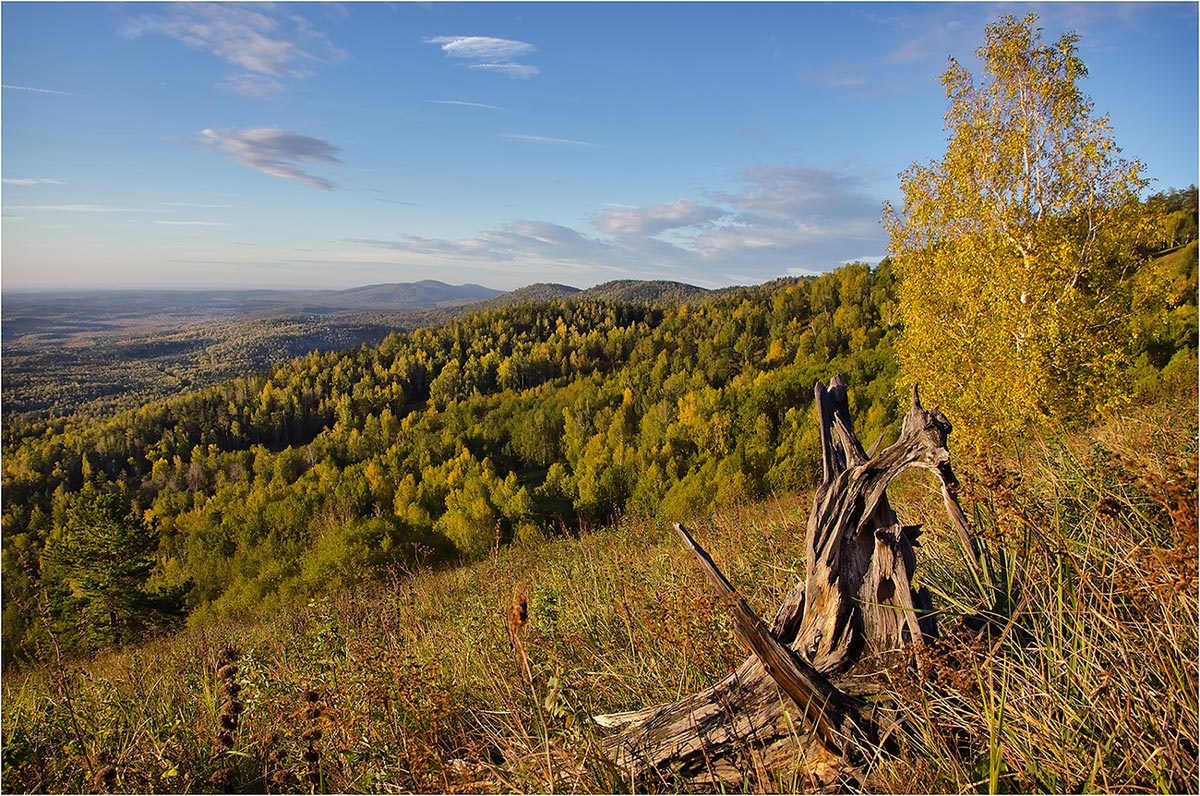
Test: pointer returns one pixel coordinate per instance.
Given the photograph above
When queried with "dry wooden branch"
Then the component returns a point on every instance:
(797, 703)
(841, 722)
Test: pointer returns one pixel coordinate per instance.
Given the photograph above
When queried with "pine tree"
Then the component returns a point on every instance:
(105, 557)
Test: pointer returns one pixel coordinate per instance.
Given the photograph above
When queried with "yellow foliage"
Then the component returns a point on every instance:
(1012, 250)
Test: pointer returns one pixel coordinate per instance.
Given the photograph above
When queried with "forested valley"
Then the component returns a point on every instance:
(505, 426)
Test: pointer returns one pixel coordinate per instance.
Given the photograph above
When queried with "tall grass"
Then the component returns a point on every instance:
(1086, 677)
(420, 683)
(484, 678)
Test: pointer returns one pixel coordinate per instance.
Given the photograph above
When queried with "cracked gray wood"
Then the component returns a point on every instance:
(798, 704)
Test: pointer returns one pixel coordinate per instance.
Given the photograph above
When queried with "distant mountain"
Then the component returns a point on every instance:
(28, 311)
(411, 295)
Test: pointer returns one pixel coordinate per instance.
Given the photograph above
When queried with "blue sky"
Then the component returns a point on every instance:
(333, 145)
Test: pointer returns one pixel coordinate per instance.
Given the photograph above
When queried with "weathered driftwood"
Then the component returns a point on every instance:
(799, 704)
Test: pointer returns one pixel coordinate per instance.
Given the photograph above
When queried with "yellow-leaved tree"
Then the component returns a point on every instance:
(1014, 250)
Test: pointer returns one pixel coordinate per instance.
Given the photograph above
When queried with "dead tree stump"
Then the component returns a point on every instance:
(801, 703)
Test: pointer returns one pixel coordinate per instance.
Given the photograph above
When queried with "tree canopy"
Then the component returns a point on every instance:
(1014, 249)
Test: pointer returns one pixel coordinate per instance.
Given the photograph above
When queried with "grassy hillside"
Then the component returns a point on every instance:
(423, 565)
(431, 681)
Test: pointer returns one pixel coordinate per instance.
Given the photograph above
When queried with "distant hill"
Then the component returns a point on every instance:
(27, 312)
(633, 291)
(412, 295)
(540, 291)
(646, 292)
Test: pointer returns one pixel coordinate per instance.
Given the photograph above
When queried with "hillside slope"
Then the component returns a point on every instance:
(418, 685)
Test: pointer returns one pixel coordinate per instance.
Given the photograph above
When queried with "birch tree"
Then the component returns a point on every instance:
(1013, 250)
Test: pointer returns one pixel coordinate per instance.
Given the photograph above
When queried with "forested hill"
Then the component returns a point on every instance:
(625, 290)
(510, 423)
(95, 353)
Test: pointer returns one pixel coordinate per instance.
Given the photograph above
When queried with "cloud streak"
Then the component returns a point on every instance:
(488, 54)
(467, 104)
(81, 208)
(29, 181)
(38, 90)
(275, 152)
(544, 139)
(512, 70)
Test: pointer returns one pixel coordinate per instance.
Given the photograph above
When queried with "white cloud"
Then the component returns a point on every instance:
(482, 48)
(656, 218)
(543, 139)
(263, 40)
(30, 181)
(191, 223)
(488, 54)
(276, 152)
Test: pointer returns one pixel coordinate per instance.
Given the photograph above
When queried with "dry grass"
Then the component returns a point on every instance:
(483, 679)
(1088, 678)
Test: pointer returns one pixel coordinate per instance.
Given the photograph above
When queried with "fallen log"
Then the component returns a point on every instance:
(804, 702)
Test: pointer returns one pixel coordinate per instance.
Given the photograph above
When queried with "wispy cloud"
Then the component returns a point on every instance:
(83, 208)
(488, 54)
(251, 85)
(656, 218)
(844, 76)
(29, 181)
(467, 104)
(38, 90)
(276, 152)
(795, 213)
(516, 241)
(512, 70)
(190, 223)
(482, 48)
(781, 219)
(266, 41)
(543, 139)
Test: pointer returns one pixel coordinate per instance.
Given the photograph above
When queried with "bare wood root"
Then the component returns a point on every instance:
(795, 704)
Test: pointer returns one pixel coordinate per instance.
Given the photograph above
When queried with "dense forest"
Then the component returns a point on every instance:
(511, 423)
(507, 425)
